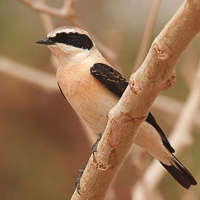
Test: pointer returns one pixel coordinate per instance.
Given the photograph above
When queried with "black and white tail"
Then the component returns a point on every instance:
(180, 173)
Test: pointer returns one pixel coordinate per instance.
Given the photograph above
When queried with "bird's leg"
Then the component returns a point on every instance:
(81, 171)
(78, 180)
(94, 146)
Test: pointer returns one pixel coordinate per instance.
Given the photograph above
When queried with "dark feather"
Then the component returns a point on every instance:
(151, 120)
(117, 84)
(110, 78)
(180, 173)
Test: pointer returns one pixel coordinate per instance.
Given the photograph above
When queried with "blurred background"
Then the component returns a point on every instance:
(42, 144)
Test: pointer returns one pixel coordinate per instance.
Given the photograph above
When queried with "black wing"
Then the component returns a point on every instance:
(151, 120)
(110, 78)
(117, 84)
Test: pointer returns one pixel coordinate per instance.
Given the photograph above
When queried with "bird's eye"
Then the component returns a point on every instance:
(70, 38)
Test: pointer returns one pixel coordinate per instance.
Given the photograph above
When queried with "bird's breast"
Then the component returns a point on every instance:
(89, 98)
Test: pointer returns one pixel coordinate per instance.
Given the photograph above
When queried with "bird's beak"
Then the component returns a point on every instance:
(46, 41)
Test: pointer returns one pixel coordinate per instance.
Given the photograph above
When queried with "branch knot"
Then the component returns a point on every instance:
(134, 86)
(169, 82)
(161, 54)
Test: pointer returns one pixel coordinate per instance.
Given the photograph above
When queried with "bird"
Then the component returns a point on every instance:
(93, 87)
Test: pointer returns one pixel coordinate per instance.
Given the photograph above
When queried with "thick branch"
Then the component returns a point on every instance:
(180, 138)
(154, 75)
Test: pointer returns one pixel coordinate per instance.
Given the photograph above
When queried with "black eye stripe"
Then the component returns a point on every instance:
(73, 39)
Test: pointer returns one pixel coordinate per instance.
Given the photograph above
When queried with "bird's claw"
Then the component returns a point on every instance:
(94, 146)
(78, 180)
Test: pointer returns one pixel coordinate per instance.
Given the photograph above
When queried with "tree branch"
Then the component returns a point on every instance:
(46, 19)
(155, 74)
(64, 12)
(147, 34)
(28, 74)
(172, 108)
(180, 138)
(68, 13)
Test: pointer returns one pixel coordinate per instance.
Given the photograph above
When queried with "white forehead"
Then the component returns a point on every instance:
(67, 29)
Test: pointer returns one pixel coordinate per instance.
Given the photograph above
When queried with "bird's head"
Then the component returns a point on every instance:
(68, 42)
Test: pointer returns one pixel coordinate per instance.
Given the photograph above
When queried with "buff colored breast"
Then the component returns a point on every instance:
(88, 97)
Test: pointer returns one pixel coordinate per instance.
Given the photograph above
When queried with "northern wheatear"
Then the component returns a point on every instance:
(93, 87)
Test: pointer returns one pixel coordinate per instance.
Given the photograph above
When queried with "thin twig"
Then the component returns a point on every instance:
(188, 66)
(46, 19)
(68, 13)
(28, 74)
(48, 26)
(41, 7)
(172, 108)
(147, 34)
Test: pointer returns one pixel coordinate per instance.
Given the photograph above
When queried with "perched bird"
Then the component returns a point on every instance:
(93, 87)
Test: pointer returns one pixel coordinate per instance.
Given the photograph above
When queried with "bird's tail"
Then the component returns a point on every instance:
(180, 173)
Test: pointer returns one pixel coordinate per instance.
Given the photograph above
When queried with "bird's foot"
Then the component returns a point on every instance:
(78, 180)
(81, 171)
(94, 146)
